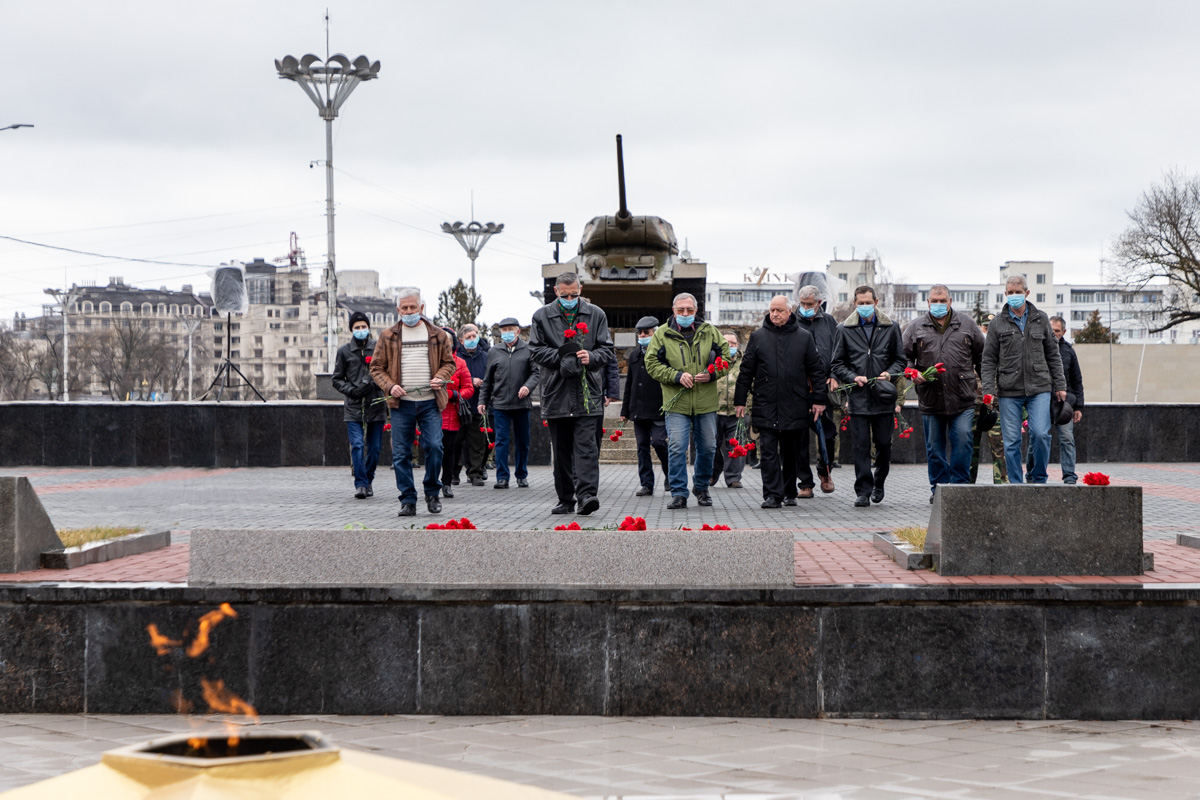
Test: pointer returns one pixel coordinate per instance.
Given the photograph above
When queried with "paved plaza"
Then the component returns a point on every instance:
(702, 758)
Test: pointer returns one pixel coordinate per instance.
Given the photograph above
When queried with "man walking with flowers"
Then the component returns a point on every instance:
(952, 345)
(686, 356)
(570, 343)
(785, 373)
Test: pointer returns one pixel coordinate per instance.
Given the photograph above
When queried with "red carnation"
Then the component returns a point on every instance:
(433, 526)
(620, 432)
(491, 445)
(604, 430)
(387, 426)
(712, 368)
(613, 438)
(750, 445)
(545, 424)
(581, 327)
(988, 399)
(368, 359)
(491, 430)
(1096, 479)
(568, 334)
(732, 442)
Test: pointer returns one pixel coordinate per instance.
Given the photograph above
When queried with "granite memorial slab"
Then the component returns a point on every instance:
(1023, 529)
(495, 558)
(25, 527)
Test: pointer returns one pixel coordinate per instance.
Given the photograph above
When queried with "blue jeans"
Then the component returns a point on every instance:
(680, 429)
(405, 420)
(1037, 407)
(512, 428)
(364, 450)
(948, 446)
(1066, 452)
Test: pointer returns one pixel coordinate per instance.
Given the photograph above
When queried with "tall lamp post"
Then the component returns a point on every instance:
(328, 84)
(472, 236)
(67, 299)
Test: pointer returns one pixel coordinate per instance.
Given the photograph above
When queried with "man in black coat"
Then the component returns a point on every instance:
(473, 348)
(571, 345)
(867, 355)
(1066, 430)
(366, 412)
(509, 381)
(781, 368)
(811, 316)
(643, 404)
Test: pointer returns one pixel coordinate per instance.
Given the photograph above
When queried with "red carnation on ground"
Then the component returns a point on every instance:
(707, 527)
(581, 327)
(632, 524)
(463, 524)
(568, 334)
(1096, 479)
(574, 526)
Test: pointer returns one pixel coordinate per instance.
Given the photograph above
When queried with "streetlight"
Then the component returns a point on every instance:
(472, 236)
(66, 298)
(14, 127)
(328, 84)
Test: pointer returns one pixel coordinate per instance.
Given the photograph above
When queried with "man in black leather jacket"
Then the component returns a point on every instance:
(366, 412)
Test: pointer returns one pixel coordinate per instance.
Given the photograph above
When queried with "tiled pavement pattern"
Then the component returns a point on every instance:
(706, 758)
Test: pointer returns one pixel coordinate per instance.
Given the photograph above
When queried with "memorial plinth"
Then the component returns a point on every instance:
(492, 558)
(1022, 529)
(25, 528)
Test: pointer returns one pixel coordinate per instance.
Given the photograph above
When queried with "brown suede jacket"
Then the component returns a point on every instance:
(385, 362)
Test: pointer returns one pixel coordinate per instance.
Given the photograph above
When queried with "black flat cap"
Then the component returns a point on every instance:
(646, 323)
(504, 323)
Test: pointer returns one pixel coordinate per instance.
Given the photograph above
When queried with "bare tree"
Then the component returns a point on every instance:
(18, 365)
(1162, 243)
(302, 387)
(130, 357)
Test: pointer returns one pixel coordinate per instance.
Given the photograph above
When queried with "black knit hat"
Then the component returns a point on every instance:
(359, 316)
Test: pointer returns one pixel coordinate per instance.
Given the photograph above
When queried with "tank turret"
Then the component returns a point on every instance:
(630, 264)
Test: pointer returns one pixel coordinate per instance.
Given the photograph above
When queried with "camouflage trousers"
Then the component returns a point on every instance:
(996, 444)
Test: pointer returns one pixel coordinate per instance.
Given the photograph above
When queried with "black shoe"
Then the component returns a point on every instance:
(522, 483)
(863, 501)
(703, 499)
(735, 485)
(677, 503)
(789, 501)
(447, 491)
(454, 482)
(407, 510)
(587, 505)
(836, 465)
(931, 499)
(771, 502)
(370, 491)
(500, 485)
(477, 481)
(644, 491)
(361, 492)
(563, 508)
(433, 504)
(877, 496)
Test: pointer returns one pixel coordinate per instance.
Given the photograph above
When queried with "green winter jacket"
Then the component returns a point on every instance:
(669, 356)
(727, 388)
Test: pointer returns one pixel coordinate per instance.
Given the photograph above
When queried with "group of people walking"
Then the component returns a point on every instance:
(693, 389)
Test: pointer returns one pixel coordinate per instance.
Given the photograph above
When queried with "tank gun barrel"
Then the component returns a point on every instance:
(623, 217)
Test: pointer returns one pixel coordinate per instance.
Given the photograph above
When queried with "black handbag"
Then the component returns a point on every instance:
(466, 410)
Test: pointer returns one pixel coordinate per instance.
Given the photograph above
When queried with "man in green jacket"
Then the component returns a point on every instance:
(679, 356)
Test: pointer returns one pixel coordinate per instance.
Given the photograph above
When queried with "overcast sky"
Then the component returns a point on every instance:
(949, 136)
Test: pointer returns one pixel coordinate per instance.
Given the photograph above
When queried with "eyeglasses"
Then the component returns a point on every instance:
(569, 296)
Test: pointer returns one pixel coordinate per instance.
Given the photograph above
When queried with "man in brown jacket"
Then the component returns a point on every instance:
(412, 362)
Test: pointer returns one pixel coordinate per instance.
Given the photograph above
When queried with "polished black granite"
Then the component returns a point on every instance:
(1056, 651)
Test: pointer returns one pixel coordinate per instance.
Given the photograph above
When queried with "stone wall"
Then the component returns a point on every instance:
(312, 433)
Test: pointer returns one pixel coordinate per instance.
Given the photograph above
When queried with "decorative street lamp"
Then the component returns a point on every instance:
(472, 236)
(328, 84)
(67, 299)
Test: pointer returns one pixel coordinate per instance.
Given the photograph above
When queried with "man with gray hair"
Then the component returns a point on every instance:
(411, 363)
(570, 343)
(1022, 365)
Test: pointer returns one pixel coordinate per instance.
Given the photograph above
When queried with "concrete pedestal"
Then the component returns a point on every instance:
(25, 528)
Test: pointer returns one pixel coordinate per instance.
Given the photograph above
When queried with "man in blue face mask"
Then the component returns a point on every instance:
(508, 384)
(643, 405)
(948, 402)
(1022, 365)
(365, 412)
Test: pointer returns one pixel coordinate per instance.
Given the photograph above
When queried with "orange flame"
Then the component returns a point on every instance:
(222, 700)
(161, 644)
(207, 623)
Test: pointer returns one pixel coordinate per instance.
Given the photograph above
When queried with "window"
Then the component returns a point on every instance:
(1041, 298)
(731, 297)
(217, 326)
(1000, 299)
(217, 341)
(281, 381)
(844, 275)
(843, 297)
(162, 309)
(87, 306)
(283, 353)
(258, 341)
(234, 354)
(106, 307)
(126, 308)
(258, 353)
(1041, 278)
(174, 308)
(1060, 299)
(236, 339)
(1081, 297)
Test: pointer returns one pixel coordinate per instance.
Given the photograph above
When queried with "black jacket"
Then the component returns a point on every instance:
(959, 349)
(780, 367)
(854, 354)
(476, 359)
(824, 332)
(643, 395)
(612, 379)
(560, 368)
(1074, 376)
(352, 377)
(506, 374)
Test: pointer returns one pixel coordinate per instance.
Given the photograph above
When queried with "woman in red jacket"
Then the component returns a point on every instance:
(459, 385)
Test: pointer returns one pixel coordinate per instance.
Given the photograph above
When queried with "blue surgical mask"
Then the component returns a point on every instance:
(362, 333)
(508, 337)
(808, 313)
(410, 320)
(867, 311)
(1015, 301)
(732, 350)
(685, 322)
(470, 344)
(939, 310)
(643, 340)
(568, 304)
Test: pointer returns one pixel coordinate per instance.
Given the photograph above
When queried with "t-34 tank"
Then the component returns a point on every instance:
(630, 265)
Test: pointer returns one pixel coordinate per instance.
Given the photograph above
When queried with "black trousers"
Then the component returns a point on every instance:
(474, 445)
(576, 458)
(650, 434)
(784, 456)
(449, 455)
(864, 428)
